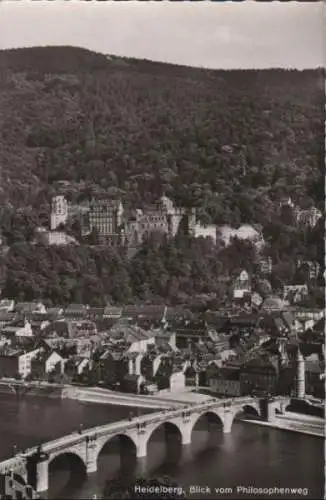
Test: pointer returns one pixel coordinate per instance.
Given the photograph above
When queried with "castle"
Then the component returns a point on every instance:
(107, 218)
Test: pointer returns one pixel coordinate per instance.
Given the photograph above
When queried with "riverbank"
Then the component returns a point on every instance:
(294, 422)
(96, 395)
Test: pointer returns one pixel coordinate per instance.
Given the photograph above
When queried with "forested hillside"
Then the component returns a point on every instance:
(232, 143)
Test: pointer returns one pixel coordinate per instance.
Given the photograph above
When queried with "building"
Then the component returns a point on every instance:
(266, 265)
(308, 217)
(292, 294)
(161, 217)
(76, 311)
(7, 305)
(59, 212)
(259, 374)
(47, 362)
(241, 285)
(209, 231)
(16, 362)
(30, 308)
(105, 216)
(177, 380)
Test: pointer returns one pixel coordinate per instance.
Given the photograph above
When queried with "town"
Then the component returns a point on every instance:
(144, 349)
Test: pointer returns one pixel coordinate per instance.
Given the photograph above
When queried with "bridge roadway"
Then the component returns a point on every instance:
(88, 444)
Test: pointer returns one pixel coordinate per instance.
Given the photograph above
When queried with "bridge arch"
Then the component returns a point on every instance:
(69, 466)
(163, 443)
(248, 410)
(206, 428)
(118, 454)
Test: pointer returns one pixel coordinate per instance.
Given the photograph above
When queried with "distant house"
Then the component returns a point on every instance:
(134, 337)
(45, 362)
(111, 368)
(30, 307)
(241, 285)
(314, 371)
(111, 312)
(16, 361)
(259, 374)
(7, 305)
(55, 312)
(224, 386)
(133, 383)
(177, 381)
(292, 294)
(163, 337)
(6, 318)
(76, 311)
(62, 328)
(272, 303)
(146, 315)
(18, 330)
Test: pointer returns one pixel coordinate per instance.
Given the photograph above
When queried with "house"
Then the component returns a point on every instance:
(55, 312)
(111, 312)
(47, 362)
(76, 311)
(7, 305)
(266, 265)
(306, 314)
(95, 313)
(225, 382)
(18, 330)
(177, 380)
(62, 328)
(260, 374)
(30, 307)
(145, 315)
(272, 303)
(82, 328)
(312, 267)
(163, 337)
(150, 363)
(111, 368)
(135, 338)
(6, 318)
(133, 383)
(241, 285)
(314, 371)
(16, 362)
(292, 294)
(188, 332)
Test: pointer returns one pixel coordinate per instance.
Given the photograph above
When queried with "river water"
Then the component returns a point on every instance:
(251, 455)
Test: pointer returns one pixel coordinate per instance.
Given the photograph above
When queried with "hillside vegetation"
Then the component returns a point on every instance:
(232, 143)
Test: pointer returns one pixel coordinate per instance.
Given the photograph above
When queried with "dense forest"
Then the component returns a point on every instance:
(231, 143)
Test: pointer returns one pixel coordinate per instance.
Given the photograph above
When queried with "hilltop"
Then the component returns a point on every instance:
(230, 142)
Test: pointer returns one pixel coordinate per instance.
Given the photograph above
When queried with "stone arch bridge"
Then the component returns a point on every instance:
(33, 464)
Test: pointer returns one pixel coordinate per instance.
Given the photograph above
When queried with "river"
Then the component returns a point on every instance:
(251, 455)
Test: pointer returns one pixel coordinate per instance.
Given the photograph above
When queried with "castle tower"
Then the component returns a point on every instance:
(300, 382)
(59, 211)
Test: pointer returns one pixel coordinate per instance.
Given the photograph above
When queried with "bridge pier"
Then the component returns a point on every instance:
(38, 472)
(227, 422)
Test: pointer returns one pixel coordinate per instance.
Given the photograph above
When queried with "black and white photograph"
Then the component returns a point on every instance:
(162, 262)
